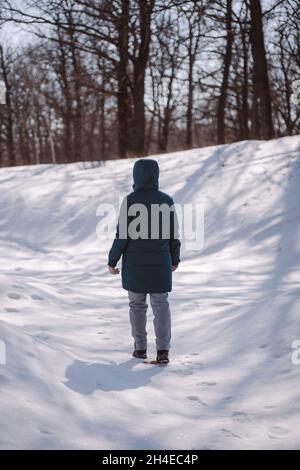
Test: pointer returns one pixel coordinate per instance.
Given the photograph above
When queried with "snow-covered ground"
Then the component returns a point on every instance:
(70, 381)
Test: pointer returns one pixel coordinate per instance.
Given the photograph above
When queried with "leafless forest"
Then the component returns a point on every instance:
(96, 80)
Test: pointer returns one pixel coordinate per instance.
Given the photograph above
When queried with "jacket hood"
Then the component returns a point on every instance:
(145, 174)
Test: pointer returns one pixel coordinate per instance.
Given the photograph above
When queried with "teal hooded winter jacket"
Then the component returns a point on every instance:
(147, 262)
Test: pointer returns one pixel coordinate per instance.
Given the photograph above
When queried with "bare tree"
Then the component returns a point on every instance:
(5, 71)
(262, 124)
(225, 77)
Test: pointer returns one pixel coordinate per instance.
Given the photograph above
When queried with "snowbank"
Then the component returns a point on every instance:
(70, 382)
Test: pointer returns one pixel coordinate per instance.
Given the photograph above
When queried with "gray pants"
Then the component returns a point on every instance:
(138, 319)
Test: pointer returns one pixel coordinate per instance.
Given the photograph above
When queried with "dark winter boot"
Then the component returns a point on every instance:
(162, 356)
(140, 353)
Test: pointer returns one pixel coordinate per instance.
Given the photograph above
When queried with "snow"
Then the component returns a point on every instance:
(70, 381)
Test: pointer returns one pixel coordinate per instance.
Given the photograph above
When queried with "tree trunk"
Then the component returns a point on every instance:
(9, 120)
(102, 128)
(123, 98)
(138, 122)
(67, 114)
(165, 124)
(261, 88)
(224, 86)
(189, 111)
(245, 91)
(192, 49)
(77, 117)
(140, 64)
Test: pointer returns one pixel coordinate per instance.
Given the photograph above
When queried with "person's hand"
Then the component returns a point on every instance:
(174, 267)
(113, 270)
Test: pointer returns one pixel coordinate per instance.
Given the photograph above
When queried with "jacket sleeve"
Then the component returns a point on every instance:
(174, 238)
(119, 244)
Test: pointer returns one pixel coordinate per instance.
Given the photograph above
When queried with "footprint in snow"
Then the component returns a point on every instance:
(240, 416)
(45, 432)
(37, 297)
(207, 384)
(13, 295)
(187, 367)
(229, 433)
(278, 431)
(279, 354)
(228, 398)
(285, 371)
(196, 399)
(42, 337)
(192, 397)
(30, 354)
(198, 364)
(11, 310)
(183, 372)
(16, 286)
(192, 362)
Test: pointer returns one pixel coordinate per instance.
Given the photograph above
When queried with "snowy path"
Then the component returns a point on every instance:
(70, 382)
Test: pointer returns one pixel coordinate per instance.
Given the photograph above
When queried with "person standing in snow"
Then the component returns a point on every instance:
(147, 261)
